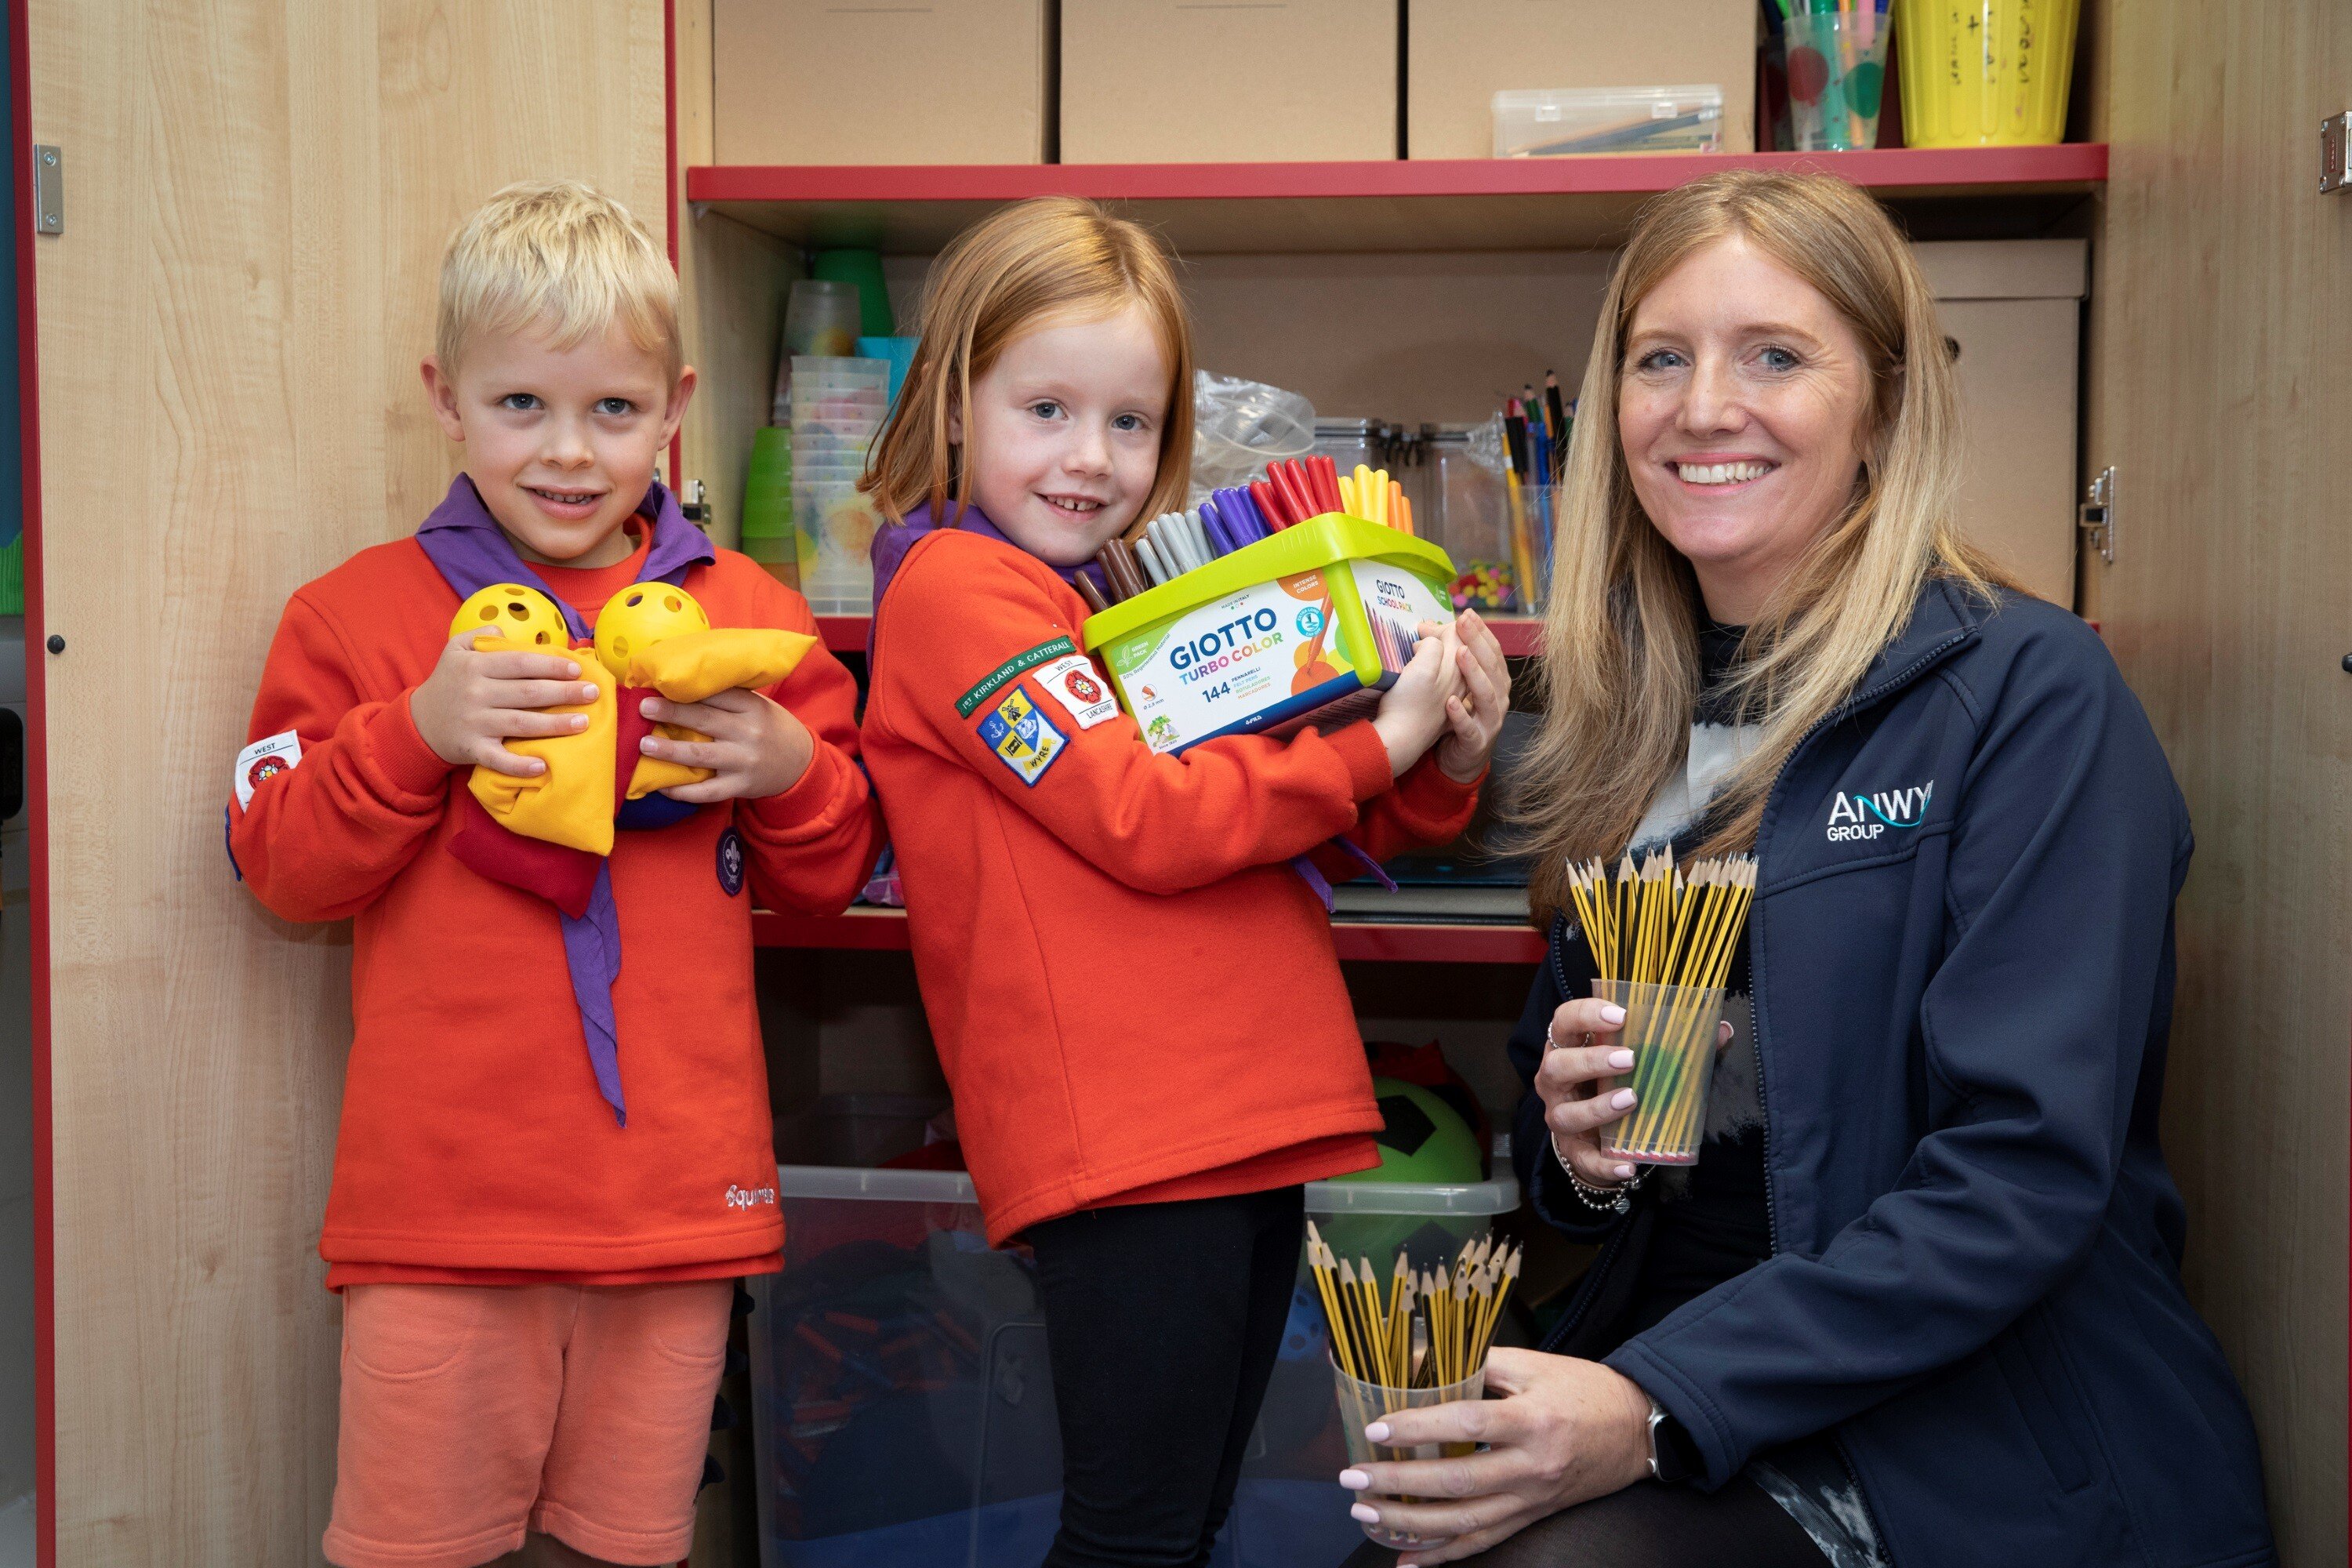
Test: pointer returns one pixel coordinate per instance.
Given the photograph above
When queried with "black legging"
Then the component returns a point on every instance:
(1163, 1322)
(1650, 1526)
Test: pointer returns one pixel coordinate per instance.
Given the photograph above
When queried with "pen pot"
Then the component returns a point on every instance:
(1361, 1404)
(1837, 78)
(1670, 1031)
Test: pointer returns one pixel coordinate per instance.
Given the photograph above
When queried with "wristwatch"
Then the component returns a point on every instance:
(1671, 1460)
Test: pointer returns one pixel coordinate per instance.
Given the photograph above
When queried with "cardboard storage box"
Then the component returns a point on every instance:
(865, 81)
(1190, 82)
(1461, 52)
(2015, 309)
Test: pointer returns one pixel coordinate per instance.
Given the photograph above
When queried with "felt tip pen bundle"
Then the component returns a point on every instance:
(1164, 548)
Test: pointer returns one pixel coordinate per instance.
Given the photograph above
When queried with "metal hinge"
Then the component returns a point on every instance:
(2334, 153)
(2096, 515)
(48, 189)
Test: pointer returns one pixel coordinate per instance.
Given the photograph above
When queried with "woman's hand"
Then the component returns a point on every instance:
(756, 748)
(1473, 717)
(1566, 1431)
(1578, 1056)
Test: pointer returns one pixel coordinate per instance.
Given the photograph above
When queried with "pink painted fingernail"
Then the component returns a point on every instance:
(1620, 1058)
(1622, 1173)
(1363, 1515)
(1355, 1480)
(1378, 1432)
(1612, 1014)
(1621, 1099)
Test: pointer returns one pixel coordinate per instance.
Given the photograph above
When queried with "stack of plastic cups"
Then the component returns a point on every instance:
(838, 407)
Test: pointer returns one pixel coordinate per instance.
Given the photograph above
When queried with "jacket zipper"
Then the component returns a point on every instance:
(1853, 704)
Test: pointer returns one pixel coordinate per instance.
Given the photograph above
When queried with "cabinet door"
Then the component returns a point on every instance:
(2219, 384)
(257, 193)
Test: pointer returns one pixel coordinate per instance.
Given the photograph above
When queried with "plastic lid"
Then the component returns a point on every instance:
(1500, 1196)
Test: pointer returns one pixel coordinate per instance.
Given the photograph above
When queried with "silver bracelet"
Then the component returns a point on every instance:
(1607, 1200)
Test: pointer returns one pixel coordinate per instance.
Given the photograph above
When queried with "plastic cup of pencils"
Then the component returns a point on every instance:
(1361, 1404)
(1670, 1031)
(1837, 77)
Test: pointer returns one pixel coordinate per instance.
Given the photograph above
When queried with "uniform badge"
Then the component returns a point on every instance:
(730, 861)
(1073, 683)
(265, 760)
(1022, 738)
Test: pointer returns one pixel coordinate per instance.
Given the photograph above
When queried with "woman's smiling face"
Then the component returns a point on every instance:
(1742, 405)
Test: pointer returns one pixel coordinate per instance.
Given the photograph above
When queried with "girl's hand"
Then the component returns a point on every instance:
(1412, 712)
(756, 748)
(1474, 716)
(473, 703)
(1578, 1056)
(1565, 1431)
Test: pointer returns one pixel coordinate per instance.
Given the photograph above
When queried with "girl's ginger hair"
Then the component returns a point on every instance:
(1035, 263)
(1620, 675)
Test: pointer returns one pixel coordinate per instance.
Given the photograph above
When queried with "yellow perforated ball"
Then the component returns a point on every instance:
(519, 614)
(641, 615)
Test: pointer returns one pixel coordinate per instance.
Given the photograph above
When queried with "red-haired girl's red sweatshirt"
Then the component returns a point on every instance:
(1134, 995)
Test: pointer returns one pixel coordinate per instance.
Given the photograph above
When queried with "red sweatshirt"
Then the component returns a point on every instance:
(1134, 995)
(473, 1146)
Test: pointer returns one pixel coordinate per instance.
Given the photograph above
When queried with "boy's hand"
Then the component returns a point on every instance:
(756, 747)
(473, 703)
(1475, 717)
(1412, 712)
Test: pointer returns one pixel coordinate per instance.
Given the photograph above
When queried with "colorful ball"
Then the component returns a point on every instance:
(641, 615)
(1425, 1142)
(517, 614)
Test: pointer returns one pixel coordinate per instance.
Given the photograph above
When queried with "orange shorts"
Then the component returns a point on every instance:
(474, 1413)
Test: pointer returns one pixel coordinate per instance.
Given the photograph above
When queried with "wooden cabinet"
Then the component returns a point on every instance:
(223, 373)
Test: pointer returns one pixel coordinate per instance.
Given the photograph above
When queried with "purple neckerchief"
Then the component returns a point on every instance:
(893, 540)
(471, 552)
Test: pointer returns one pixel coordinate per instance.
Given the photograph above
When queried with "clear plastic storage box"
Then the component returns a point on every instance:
(904, 1405)
(1559, 122)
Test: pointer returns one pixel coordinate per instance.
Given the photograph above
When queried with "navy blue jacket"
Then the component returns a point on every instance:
(1963, 969)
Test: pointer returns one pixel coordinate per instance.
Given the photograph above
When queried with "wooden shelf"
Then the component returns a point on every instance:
(1520, 635)
(1485, 203)
(885, 931)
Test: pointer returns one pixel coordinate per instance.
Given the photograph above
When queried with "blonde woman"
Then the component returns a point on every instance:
(1918, 1302)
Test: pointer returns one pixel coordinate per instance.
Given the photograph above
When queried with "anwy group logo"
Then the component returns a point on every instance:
(1856, 816)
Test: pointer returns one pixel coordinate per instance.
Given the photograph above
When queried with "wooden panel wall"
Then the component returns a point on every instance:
(2222, 368)
(258, 193)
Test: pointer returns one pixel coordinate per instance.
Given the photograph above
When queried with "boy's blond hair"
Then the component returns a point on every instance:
(561, 251)
(1050, 259)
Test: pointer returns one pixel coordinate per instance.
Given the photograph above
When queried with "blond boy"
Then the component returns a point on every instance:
(555, 1154)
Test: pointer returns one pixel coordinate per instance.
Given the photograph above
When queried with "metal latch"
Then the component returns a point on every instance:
(2334, 153)
(2096, 515)
(48, 189)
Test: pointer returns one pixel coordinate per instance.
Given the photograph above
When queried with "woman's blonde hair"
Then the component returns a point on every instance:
(1620, 675)
(564, 252)
(1052, 258)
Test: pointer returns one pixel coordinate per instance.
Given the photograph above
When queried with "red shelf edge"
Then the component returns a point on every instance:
(885, 931)
(2066, 163)
(1521, 635)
